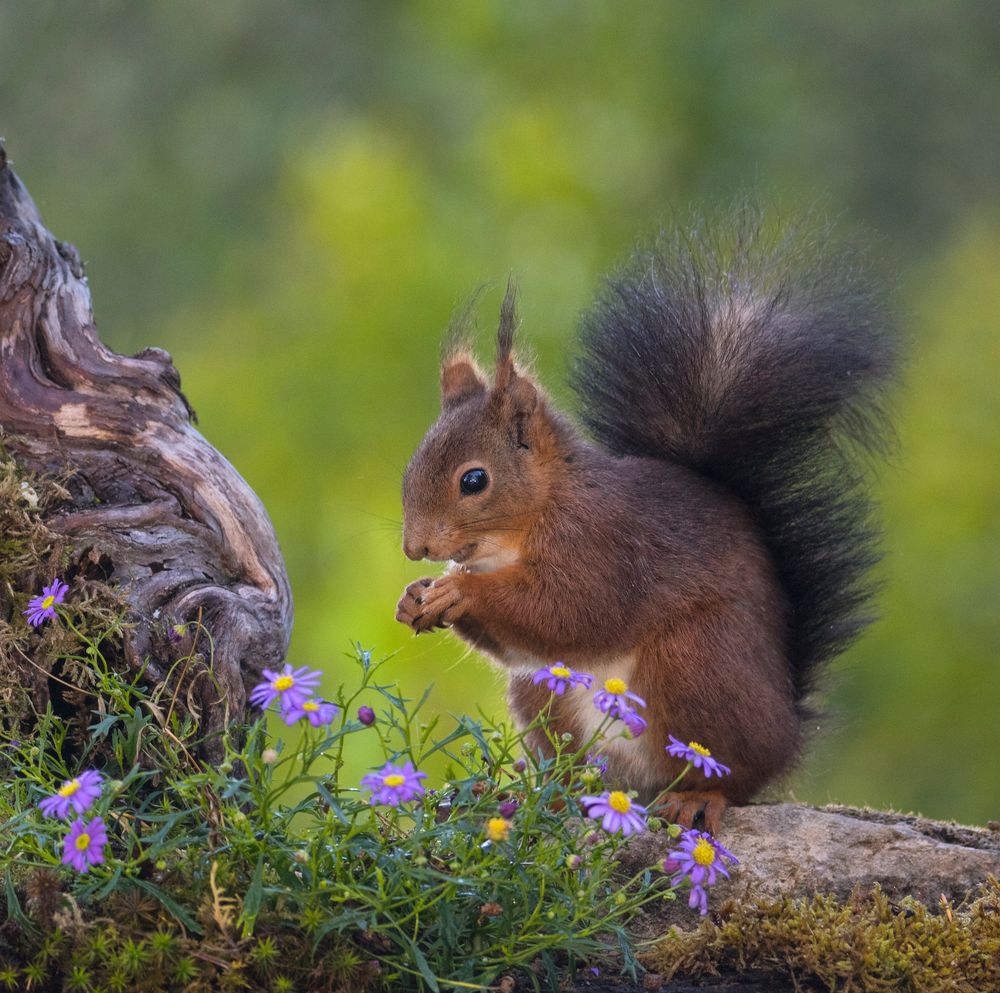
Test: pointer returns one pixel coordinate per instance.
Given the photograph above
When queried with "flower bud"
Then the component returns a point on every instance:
(366, 715)
(507, 809)
(269, 756)
(520, 765)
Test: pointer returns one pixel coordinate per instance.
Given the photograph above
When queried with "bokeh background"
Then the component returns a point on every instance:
(293, 197)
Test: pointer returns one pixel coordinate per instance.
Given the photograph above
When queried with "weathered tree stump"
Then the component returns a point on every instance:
(171, 522)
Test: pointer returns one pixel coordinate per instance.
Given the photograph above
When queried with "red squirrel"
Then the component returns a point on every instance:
(708, 543)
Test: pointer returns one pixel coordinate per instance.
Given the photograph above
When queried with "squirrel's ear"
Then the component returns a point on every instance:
(460, 379)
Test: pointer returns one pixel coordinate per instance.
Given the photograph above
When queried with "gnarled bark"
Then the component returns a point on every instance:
(171, 521)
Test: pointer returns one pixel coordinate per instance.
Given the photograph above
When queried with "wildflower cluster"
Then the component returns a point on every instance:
(439, 830)
(293, 688)
(83, 845)
(700, 859)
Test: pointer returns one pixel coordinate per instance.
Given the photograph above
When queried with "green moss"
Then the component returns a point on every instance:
(868, 944)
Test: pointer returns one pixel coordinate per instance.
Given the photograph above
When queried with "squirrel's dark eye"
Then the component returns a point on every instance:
(474, 481)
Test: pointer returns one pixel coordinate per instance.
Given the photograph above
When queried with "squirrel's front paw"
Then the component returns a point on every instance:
(440, 604)
(410, 607)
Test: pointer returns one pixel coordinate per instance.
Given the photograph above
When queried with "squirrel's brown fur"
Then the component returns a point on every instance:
(655, 568)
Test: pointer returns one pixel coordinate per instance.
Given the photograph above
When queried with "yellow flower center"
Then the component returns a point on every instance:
(560, 672)
(310, 705)
(619, 801)
(394, 780)
(48, 601)
(498, 828)
(68, 789)
(615, 685)
(698, 749)
(283, 683)
(703, 853)
(82, 841)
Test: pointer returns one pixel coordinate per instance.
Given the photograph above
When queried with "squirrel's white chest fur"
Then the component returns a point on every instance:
(628, 758)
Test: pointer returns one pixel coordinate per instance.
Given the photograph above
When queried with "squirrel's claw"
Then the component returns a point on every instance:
(440, 604)
(683, 806)
(410, 610)
(430, 603)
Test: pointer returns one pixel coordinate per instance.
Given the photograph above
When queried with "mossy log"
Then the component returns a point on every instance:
(151, 504)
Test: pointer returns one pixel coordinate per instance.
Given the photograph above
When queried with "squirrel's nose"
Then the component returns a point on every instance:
(414, 551)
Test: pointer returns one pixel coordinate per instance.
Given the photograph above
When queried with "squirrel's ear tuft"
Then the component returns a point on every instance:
(505, 336)
(517, 392)
(460, 379)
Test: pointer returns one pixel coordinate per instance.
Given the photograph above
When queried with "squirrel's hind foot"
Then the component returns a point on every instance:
(683, 806)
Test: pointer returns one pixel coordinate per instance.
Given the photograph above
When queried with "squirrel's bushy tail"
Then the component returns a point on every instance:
(759, 359)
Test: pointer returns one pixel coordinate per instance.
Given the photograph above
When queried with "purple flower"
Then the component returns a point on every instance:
(698, 755)
(558, 677)
(292, 686)
(394, 784)
(615, 698)
(508, 809)
(616, 812)
(699, 859)
(41, 608)
(317, 712)
(519, 766)
(76, 794)
(366, 715)
(635, 722)
(84, 844)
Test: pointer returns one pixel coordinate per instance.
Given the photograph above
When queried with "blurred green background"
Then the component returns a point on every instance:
(292, 198)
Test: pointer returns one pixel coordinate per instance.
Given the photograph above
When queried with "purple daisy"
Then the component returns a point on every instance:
(394, 784)
(699, 756)
(700, 859)
(317, 712)
(84, 844)
(615, 698)
(76, 794)
(558, 677)
(42, 608)
(616, 812)
(292, 686)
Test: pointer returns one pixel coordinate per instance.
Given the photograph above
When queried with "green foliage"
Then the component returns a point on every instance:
(274, 869)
